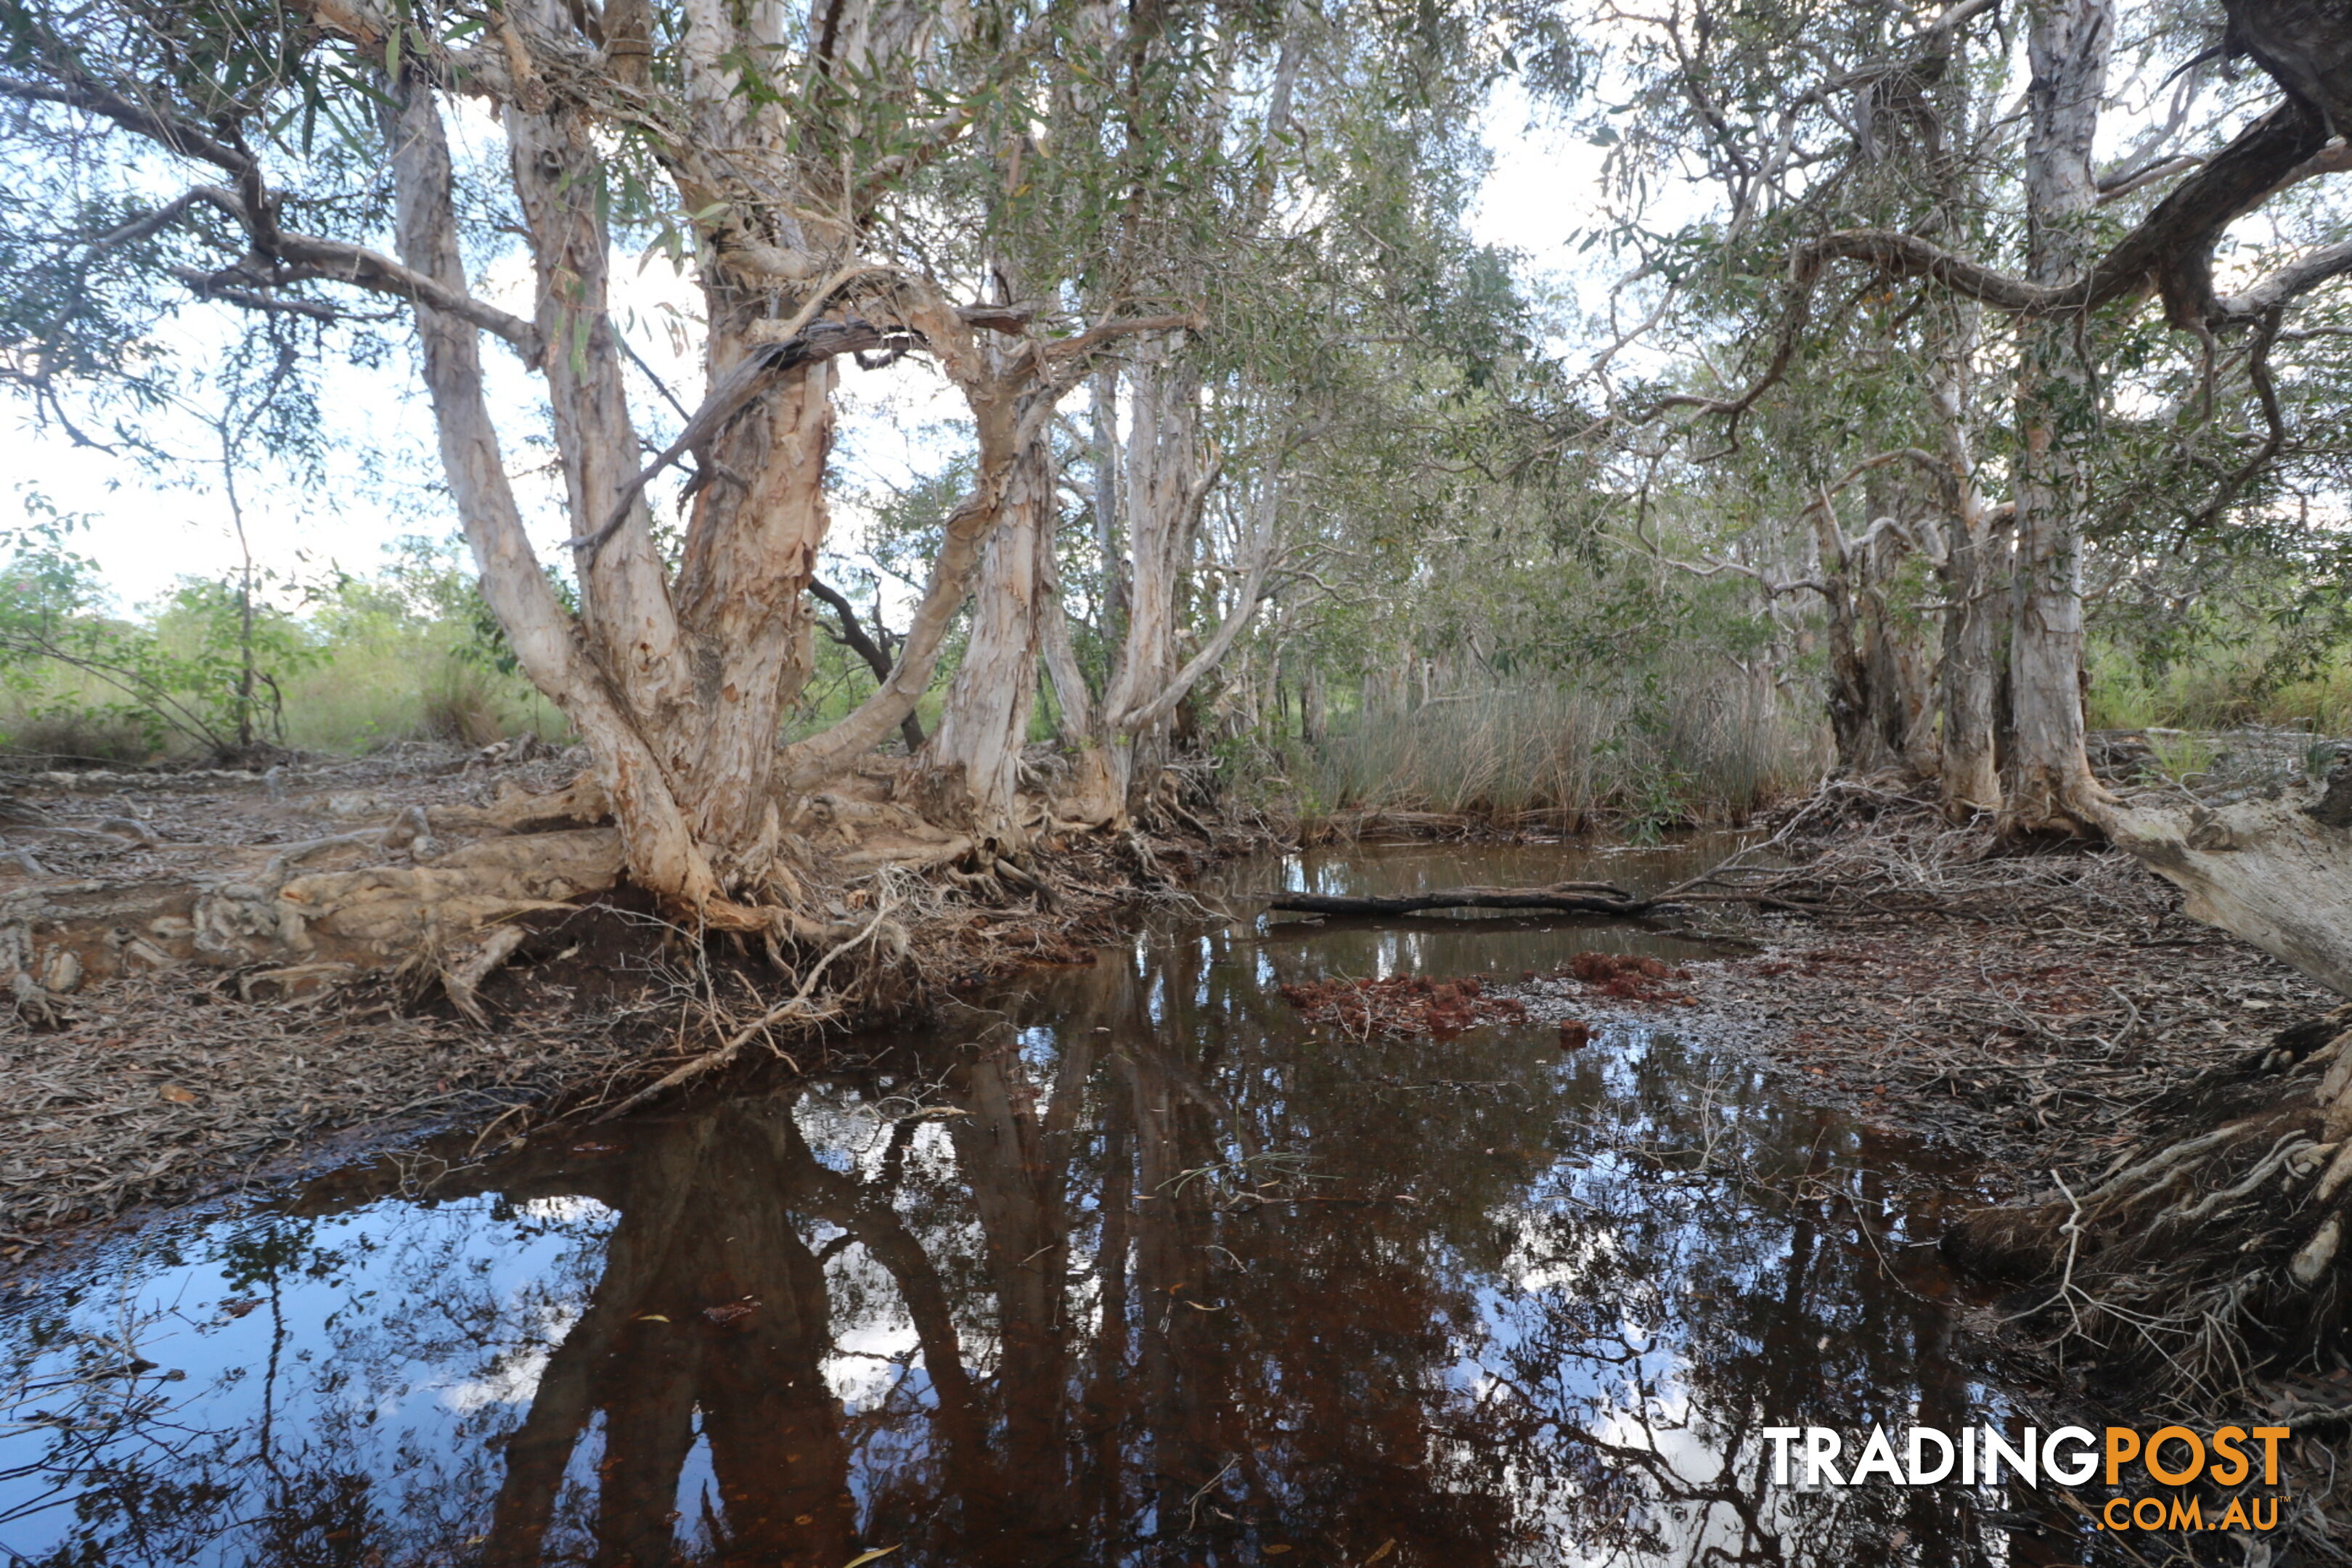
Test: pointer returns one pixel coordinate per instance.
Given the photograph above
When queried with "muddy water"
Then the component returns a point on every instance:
(1125, 1268)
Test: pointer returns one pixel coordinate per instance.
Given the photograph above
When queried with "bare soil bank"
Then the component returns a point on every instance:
(156, 1070)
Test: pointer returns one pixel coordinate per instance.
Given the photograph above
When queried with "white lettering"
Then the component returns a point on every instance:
(1878, 1459)
(1919, 1474)
(1821, 1446)
(2081, 1472)
(1780, 1437)
(1997, 1448)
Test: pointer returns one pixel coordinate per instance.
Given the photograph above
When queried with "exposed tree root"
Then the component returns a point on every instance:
(801, 1008)
(450, 944)
(2212, 1252)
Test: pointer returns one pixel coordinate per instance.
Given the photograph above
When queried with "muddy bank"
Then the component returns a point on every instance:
(165, 1042)
(2036, 1045)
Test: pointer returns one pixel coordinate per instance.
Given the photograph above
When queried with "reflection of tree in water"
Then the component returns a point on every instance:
(1694, 1323)
(1086, 1306)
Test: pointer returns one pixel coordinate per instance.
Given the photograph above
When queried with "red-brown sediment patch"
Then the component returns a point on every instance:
(1404, 1005)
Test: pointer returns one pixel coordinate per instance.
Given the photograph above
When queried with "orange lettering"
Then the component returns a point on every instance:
(2182, 1477)
(2123, 1447)
(2225, 1448)
(2268, 1436)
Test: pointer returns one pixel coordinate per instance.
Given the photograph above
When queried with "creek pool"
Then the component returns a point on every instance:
(1124, 1267)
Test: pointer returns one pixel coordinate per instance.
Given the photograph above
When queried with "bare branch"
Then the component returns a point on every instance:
(355, 264)
(2290, 282)
(159, 128)
(218, 286)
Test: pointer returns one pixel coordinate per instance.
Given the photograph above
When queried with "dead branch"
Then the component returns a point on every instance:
(795, 1007)
(1572, 897)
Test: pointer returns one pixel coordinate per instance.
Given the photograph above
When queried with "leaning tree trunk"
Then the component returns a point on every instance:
(661, 844)
(2277, 872)
(679, 685)
(2050, 782)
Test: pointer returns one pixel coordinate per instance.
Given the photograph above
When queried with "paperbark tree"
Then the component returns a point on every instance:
(779, 142)
(969, 771)
(2049, 784)
(1974, 568)
(1802, 161)
(1163, 486)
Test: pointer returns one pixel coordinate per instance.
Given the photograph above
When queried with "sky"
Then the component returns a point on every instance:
(148, 533)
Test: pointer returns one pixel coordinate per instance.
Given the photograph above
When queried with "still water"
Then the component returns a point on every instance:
(1124, 1267)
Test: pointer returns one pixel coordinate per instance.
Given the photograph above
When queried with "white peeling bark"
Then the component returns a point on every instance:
(661, 847)
(971, 767)
(1003, 423)
(624, 600)
(2277, 873)
(2057, 415)
(1969, 773)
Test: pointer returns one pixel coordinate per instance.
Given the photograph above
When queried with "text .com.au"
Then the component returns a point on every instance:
(2126, 1457)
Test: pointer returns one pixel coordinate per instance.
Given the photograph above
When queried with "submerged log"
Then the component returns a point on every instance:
(1573, 897)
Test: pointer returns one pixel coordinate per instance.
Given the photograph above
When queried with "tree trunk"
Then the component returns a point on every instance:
(1968, 771)
(969, 771)
(1900, 676)
(1849, 690)
(742, 584)
(2276, 872)
(1974, 570)
(2049, 784)
(679, 689)
(660, 845)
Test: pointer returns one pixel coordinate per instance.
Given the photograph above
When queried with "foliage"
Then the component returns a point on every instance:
(407, 654)
(177, 675)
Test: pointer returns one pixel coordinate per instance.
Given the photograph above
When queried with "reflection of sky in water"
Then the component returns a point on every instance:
(319, 1324)
(1569, 1334)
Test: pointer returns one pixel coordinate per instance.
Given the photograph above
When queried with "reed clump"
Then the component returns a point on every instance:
(1703, 752)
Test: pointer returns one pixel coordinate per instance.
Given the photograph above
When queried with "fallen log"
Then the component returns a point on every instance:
(2277, 872)
(1571, 897)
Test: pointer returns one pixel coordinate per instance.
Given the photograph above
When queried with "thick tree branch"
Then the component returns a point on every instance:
(2172, 246)
(2173, 243)
(2289, 282)
(355, 264)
